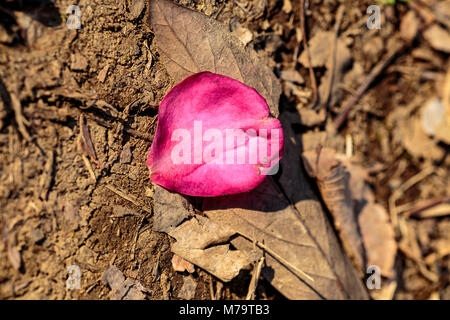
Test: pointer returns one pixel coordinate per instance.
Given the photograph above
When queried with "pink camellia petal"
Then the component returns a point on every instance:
(214, 137)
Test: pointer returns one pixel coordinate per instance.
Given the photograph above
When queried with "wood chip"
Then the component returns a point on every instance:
(438, 37)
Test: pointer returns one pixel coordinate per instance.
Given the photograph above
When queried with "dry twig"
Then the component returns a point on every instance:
(128, 197)
(300, 273)
(308, 57)
(337, 25)
(428, 204)
(376, 71)
(397, 194)
(254, 281)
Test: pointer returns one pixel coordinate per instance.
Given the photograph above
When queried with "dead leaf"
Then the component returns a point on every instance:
(311, 118)
(245, 35)
(190, 42)
(409, 26)
(265, 216)
(220, 261)
(195, 235)
(438, 38)
(291, 223)
(292, 75)
(434, 120)
(200, 232)
(416, 141)
(441, 11)
(364, 226)
(187, 291)
(379, 238)
(333, 181)
(310, 213)
(319, 47)
(287, 6)
(169, 208)
(122, 288)
(103, 73)
(181, 265)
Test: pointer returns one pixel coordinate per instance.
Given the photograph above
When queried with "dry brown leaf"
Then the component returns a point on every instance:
(170, 209)
(319, 47)
(416, 141)
(122, 288)
(194, 235)
(410, 133)
(181, 265)
(292, 224)
(292, 75)
(441, 11)
(409, 26)
(187, 291)
(363, 225)
(379, 238)
(199, 233)
(333, 181)
(220, 261)
(438, 37)
(190, 42)
(434, 120)
(267, 217)
(311, 118)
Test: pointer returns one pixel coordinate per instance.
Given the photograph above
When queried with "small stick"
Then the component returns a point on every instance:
(427, 205)
(393, 210)
(429, 19)
(254, 281)
(240, 5)
(299, 272)
(125, 214)
(211, 288)
(136, 236)
(340, 119)
(219, 288)
(128, 197)
(308, 57)
(337, 25)
(89, 167)
(50, 115)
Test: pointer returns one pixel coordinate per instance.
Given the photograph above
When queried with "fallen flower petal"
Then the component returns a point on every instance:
(214, 137)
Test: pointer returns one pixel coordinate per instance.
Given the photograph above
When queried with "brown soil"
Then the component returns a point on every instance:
(54, 214)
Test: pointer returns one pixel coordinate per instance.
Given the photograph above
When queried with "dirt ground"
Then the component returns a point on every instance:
(59, 209)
